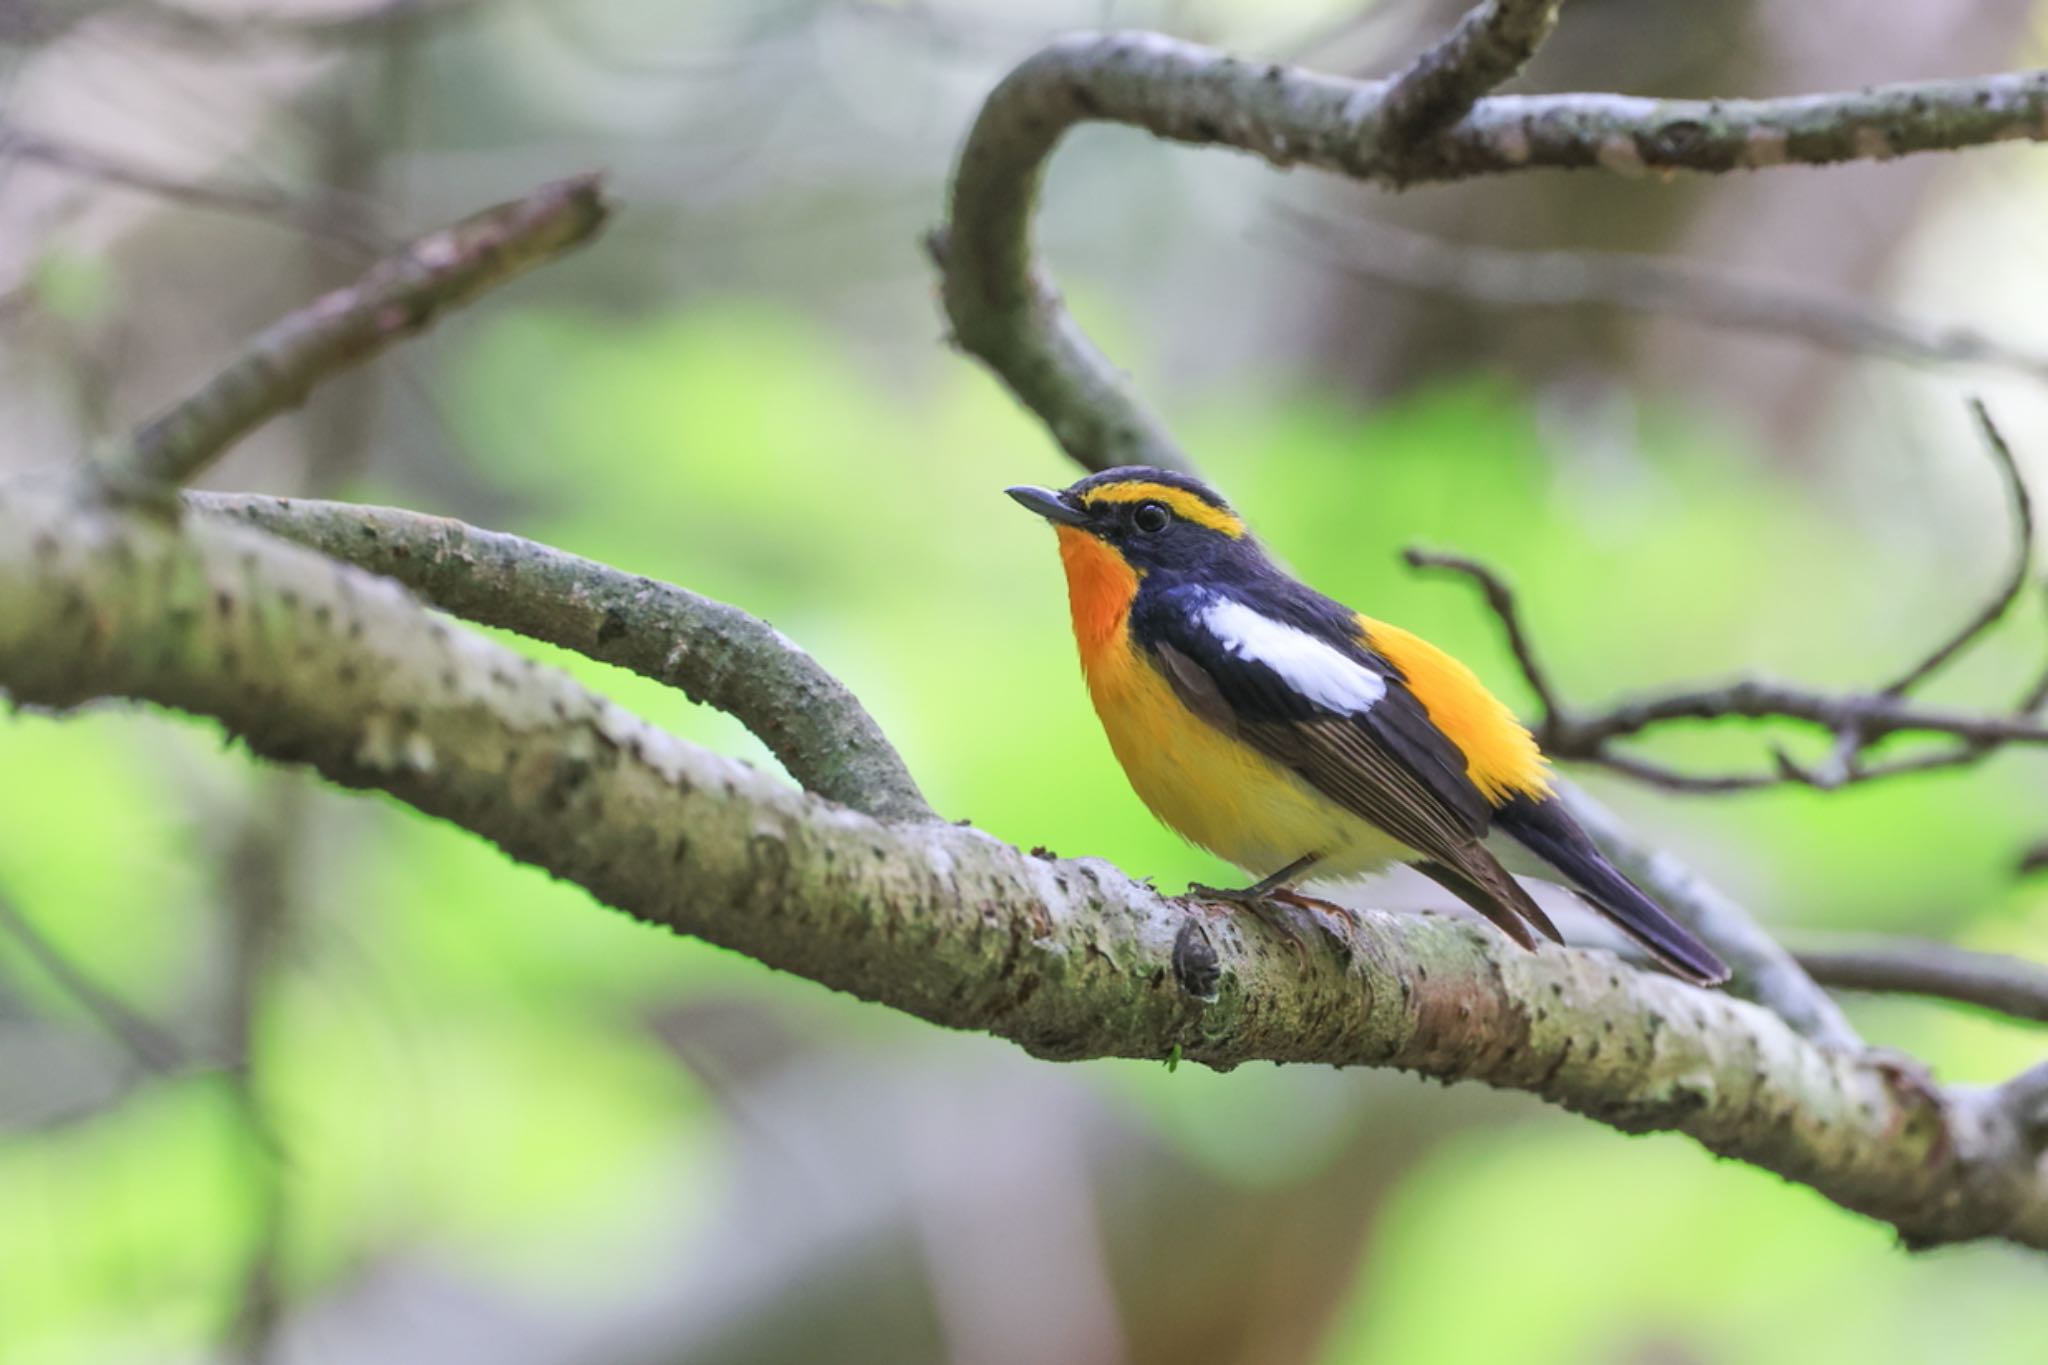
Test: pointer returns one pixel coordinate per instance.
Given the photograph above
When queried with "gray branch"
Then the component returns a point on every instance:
(1489, 45)
(1713, 296)
(1942, 971)
(396, 299)
(314, 662)
(1005, 309)
(718, 655)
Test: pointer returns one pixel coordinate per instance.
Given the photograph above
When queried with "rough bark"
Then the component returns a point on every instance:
(314, 662)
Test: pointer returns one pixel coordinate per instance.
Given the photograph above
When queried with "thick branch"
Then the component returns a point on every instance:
(1006, 310)
(396, 299)
(315, 662)
(718, 655)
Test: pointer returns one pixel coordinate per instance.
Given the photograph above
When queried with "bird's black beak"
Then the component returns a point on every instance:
(1048, 504)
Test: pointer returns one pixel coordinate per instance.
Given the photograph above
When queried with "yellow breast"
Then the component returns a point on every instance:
(1214, 791)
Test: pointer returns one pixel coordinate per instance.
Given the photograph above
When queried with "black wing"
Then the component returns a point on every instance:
(1385, 762)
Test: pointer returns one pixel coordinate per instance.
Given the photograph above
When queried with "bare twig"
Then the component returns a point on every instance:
(1909, 966)
(153, 1049)
(1491, 43)
(1857, 720)
(1501, 598)
(716, 654)
(2015, 582)
(397, 298)
(257, 894)
(298, 214)
(1712, 295)
(372, 21)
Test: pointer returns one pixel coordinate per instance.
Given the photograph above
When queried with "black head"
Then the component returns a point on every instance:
(1154, 518)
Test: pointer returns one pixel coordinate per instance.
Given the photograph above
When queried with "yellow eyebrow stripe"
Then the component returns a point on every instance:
(1183, 504)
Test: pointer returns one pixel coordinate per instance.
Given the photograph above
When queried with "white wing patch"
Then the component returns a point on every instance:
(1309, 666)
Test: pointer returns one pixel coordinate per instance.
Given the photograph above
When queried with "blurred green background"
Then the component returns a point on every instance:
(383, 1095)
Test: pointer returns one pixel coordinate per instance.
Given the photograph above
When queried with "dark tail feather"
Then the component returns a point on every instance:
(1500, 898)
(1546, 830)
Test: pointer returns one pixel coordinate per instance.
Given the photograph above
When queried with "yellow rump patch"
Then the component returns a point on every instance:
(1183, 504)
(1501, 756)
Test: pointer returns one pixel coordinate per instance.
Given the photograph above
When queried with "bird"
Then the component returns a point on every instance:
(1297, 738)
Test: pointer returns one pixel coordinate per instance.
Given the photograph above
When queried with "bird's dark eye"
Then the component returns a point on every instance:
(1151, 517)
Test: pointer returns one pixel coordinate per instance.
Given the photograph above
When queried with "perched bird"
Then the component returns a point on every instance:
(1294, 737)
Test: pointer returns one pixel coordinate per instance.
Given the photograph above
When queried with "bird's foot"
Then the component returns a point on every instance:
(1320, 908)
(1271, 906)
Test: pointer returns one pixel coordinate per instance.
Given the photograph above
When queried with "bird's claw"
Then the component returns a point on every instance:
(1271, 908)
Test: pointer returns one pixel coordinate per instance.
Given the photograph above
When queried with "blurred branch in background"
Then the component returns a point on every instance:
(1653, 285)
(397, 298)
(42, 21)
(257, 869)
(1912, 966)
(152, 1048)
(312, 216)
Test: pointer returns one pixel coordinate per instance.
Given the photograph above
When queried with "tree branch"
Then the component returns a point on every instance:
(267, 205)
(1912, 966)
(1493, 42)
(397, 298)
(1506, 277)
(1761, 969)
(315, 662)
(718, 655)
(1006, 310)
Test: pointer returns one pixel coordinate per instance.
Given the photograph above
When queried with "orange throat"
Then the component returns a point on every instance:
(1100, 586)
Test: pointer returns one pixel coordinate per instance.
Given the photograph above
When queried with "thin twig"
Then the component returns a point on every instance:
(153, 1049)
(1856, 720)
(396, 299)
(1993, 611)
(1908, 966)
(1501, 598)
(265, 205)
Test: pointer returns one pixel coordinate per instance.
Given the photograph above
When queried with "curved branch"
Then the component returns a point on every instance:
(315, 662)
(1006, 310)
(394, 300)
(718, 655)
